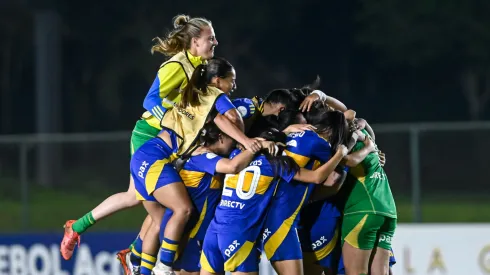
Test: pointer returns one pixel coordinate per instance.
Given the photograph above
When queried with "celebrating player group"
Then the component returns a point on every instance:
(293, 175)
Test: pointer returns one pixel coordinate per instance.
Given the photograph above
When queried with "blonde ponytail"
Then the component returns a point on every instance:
(179, 39)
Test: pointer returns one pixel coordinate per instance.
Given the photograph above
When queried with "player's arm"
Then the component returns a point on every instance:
(234, 116)
(362, 124)
(235, 165)
(370, 130)
(336, 178)
(295, 128)
(335, 103)
(355, 158)
(226, 109)
(354, 138)
(319, 95)
(331, 186)
(169, 77)
(229, 109)
(319, 175)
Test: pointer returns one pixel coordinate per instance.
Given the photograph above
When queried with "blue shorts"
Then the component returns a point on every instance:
(280, 240)
(341, 269)
(319, 236)
(229, 252)
(151, 168)
(189, 258)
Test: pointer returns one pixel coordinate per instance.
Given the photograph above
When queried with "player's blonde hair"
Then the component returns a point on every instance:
(179, 39)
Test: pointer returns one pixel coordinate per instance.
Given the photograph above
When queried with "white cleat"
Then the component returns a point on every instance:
(135, 270)
(129, 264)
(161, 269)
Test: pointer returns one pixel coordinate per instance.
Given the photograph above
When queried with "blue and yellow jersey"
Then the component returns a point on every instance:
(309, 150)
(247, 107)
(165, 90)
(204, 188)
(250, 109)
(246, 197)
(198, 175)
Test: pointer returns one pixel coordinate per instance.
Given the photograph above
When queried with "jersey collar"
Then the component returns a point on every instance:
(195, 60)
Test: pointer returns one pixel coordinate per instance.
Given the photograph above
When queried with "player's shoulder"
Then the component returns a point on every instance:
(262, 163)
(234, 153)
(171, 66)
(302, 138)
(245, 106)
(199, 162)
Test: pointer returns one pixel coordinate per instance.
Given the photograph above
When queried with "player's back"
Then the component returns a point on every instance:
(290, 198)
(366, 189)
(246, 197)
(280, 238)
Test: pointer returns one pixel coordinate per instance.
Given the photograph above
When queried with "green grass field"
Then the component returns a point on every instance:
(49, 209)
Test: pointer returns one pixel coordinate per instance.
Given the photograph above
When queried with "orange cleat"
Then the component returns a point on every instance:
(70, 239)
(121, 256)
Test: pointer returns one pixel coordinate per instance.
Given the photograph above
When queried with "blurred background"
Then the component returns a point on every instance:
(73, 76)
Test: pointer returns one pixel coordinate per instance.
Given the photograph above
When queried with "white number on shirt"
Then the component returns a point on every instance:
(241, 178)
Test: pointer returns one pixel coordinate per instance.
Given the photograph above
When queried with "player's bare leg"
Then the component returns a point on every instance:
(380, 264)
(356, 261)
(111, 205)
(288, 267)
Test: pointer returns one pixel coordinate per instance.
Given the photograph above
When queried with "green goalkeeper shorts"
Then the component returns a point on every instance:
(366, 231)
(142, 132)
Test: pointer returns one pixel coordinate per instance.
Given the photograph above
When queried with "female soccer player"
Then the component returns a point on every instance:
(191, 42)
(281, 244)
(156, 181)
(198, 175)
(230, 243)
(369, 220)
(220, 74)
(320, 223)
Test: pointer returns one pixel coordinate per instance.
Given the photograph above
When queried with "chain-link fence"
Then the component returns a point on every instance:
(437, 173)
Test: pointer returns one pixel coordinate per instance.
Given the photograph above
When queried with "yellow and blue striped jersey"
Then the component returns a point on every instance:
(204, 188)
(165, 90)
(246, 197)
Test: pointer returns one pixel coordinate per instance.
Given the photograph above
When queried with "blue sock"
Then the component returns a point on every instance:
(136, 251)
(147, 263)
(168, 251)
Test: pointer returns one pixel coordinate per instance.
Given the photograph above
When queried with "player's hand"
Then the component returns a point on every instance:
(308, 102)
(382, 158)
(342, 149)
(270, 146)
(253, 145)
(293, 128)
(241, 147)
(369, 144)
(350, 115)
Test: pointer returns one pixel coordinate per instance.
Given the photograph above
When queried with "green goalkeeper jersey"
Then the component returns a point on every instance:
(366, 189)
